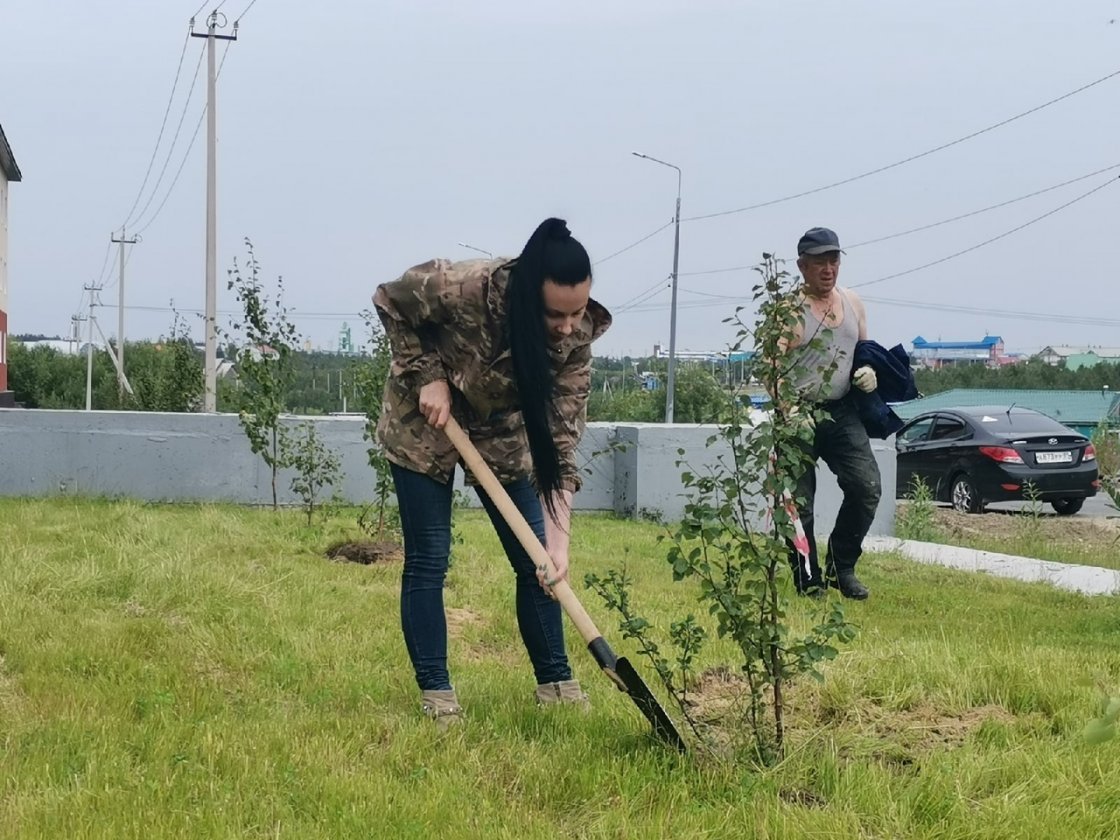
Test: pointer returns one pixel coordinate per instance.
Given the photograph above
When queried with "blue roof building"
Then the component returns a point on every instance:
(937, 354)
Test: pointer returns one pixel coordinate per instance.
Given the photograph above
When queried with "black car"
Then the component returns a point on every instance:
(971, 456)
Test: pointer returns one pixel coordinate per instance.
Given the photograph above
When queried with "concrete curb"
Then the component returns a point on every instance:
(1088, 580)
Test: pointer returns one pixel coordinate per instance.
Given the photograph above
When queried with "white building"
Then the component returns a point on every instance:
(1055, 354)
(9, 172)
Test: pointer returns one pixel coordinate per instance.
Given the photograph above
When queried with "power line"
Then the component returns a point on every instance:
(729, 268)
(178, 172)
(998, 312)
(175, 139)
(711, 295)
(295, 315)
(632, 244)
(910, 159)
(100, 279)
(987, 241)
(956, 218)
(247, 8)
(127, 260)
(646, 297)
(104, 265)
(660, 284)
(983, 209)
(719, 298)
(697, 304)
(187, 154)
(1012, 315)
(162, 127)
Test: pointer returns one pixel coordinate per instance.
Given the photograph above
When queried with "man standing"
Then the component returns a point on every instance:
(833, 320)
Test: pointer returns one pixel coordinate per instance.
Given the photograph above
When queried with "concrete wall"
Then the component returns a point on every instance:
(647, 478)
(628, 468)
(158, 457)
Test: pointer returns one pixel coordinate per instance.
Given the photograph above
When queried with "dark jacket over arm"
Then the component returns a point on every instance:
(896, 384)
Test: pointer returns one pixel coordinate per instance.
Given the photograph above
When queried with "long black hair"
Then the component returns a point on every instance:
(551, 253)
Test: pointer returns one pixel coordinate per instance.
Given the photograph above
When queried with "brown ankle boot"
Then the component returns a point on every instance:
(565, 691)
(442, 707)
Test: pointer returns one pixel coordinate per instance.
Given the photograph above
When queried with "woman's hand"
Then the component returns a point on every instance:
(435, 402)
(557, 525)
(547, 577)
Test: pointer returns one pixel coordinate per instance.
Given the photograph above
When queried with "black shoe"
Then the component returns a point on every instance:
(849, 585)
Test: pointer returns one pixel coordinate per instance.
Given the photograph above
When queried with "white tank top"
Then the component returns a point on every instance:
(837, 343)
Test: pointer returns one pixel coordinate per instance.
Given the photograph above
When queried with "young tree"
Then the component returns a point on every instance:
(264, 343)
(371, 374)
(317, 466)
(735, 538)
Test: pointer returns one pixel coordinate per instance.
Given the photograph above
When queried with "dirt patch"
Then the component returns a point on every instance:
(459, 618)
(471, 643)
(1089, 532)
(925, 728)
(367, 553)
(719, 696)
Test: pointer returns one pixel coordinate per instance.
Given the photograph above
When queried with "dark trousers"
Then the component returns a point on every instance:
(841, 441)
(425, 507)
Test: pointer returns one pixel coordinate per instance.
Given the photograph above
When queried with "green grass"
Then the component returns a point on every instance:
(179, 671)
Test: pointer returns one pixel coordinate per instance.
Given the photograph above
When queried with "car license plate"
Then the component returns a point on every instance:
(1065, 457)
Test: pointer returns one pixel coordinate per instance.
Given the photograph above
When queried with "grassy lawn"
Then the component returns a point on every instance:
(179, 671)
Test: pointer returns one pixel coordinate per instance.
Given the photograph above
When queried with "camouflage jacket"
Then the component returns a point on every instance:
(447, 320)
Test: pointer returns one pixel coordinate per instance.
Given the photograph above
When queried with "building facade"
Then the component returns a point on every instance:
(988, 351)
(1074, 357)
(9, 173)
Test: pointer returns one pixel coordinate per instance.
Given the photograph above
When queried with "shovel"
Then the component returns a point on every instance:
(618, 668)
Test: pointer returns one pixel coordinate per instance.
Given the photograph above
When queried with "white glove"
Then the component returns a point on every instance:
(864, 379)
(798, 417)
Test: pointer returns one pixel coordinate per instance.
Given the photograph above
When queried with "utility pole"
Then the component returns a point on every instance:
(76, 332)
(210, 402)
(93, 290)
(124, 240)
(670, 384)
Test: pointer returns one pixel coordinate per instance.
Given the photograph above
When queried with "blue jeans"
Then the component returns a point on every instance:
(425, 508)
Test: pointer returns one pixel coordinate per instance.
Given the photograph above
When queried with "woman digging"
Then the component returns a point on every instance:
(504, 346)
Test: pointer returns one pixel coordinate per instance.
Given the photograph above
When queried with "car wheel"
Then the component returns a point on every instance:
(963, 495)
(1067, 507)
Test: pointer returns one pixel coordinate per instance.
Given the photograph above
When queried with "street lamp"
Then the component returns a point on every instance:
(671, 383)
(480, 250)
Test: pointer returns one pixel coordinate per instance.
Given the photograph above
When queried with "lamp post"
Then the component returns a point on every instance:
(671, 383)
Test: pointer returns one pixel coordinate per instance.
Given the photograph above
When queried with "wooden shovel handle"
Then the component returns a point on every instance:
(521, 528)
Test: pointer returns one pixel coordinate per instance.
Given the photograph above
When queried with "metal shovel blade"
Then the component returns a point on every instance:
(643, 698)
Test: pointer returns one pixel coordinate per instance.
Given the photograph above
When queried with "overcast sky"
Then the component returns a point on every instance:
(358, 138)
